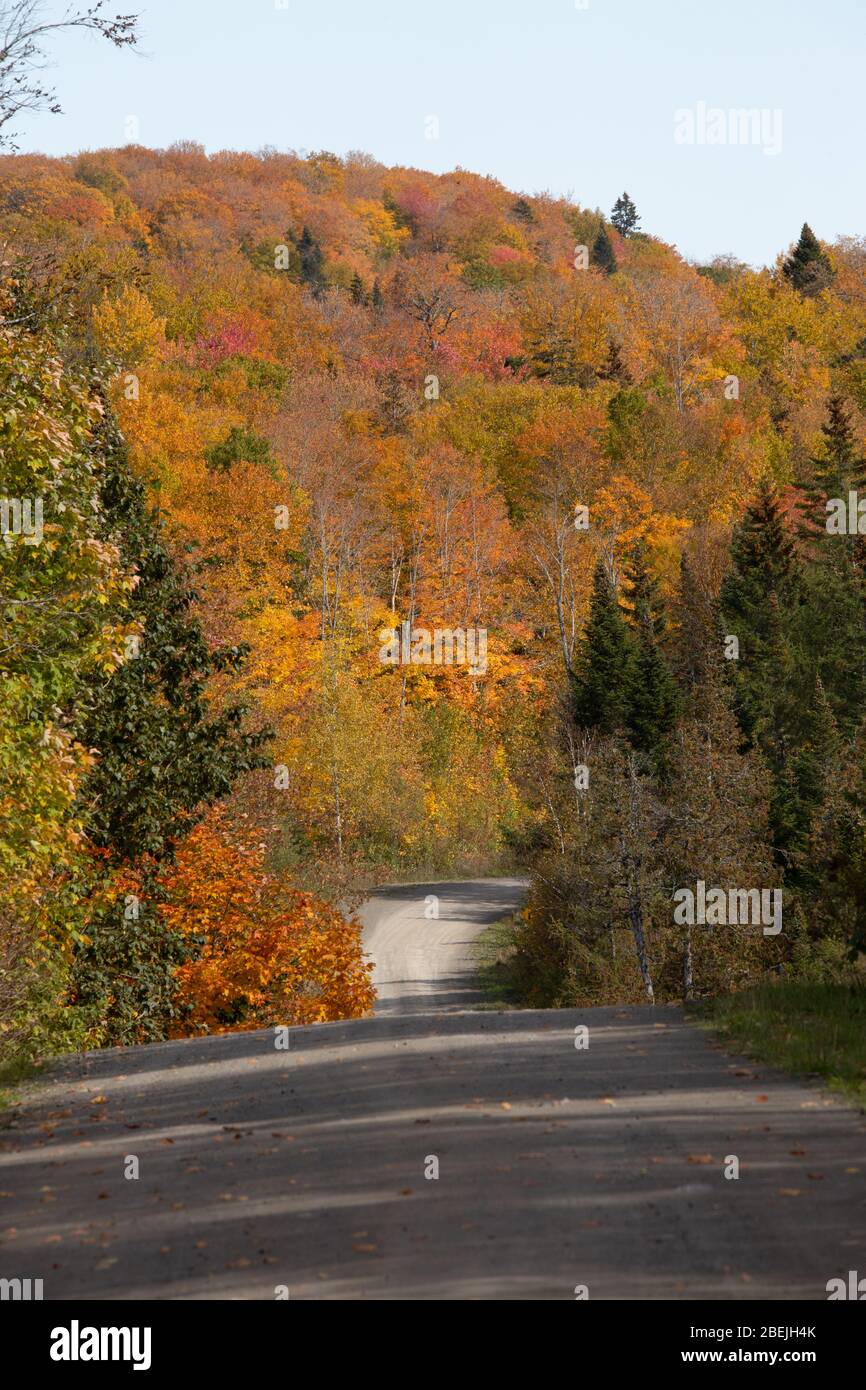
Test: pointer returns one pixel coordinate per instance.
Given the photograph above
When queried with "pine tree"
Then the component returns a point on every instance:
(357, 292)
(841, 465)
(163, 756)
(602, 252)
(807, 267)
(376, 295)
(717, 831)
(603, 672)
(311, 262)
(695, 628)
(522, 209)
(624, 215)
(652, 696)
(764, 568)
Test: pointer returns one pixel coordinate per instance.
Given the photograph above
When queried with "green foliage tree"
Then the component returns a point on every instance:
(624, 216)
(808, 268)
(652, 697)
(602, 681)
(311, 262)
(163, 756)
(602, 252)
(240, 445)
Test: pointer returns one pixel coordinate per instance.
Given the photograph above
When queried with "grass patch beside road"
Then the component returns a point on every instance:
(816, 1030)
(494, 952)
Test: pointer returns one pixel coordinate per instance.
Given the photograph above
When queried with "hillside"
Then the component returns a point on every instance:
(376, 406)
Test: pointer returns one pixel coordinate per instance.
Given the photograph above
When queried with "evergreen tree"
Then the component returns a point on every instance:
(762, 584)
(240, 445)
(522, 209)
(717, 831)
(652, 698)
(163, 757)
(695, 624)
(602, 252)
(807, 267)
(624, 215)
(602, 678)
(841, 466)
(311, 261)
(357, 292)
(376, 295)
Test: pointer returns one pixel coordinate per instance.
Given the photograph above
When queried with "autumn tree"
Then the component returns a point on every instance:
(163, 756)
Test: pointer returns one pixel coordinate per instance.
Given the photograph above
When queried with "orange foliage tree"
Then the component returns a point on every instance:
(268, 954)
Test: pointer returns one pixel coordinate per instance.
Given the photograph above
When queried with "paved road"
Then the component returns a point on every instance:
(557, 1167)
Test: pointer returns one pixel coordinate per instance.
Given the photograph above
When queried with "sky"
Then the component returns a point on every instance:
(583, 98)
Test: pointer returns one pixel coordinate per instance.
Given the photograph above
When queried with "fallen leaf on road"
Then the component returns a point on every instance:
(789, 1191)
(364, 1249)
(761, 1099)
(700, 1158)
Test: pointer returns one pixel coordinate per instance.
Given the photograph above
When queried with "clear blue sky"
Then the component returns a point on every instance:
(541, 94)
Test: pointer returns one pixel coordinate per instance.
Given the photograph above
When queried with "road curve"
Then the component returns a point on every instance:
(452, 1154)
(420, 937)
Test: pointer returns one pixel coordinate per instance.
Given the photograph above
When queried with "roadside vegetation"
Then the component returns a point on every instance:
(808, 1029)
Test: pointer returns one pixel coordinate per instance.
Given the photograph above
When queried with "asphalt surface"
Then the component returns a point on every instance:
(311, 1170)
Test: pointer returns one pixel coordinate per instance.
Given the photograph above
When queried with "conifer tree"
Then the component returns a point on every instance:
(602, 678)
(695, 628)
(807, 267)
(164, 756)
(761, 585)
(624, 215)
(311, 261)
(602, 252)
(357, 293)
(838, 469)
(522, 209)
(727, 850)
(652, 696)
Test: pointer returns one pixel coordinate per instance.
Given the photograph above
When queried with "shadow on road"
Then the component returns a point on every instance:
(313, 1167)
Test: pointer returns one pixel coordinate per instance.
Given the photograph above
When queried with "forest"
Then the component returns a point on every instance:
(266, 417)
